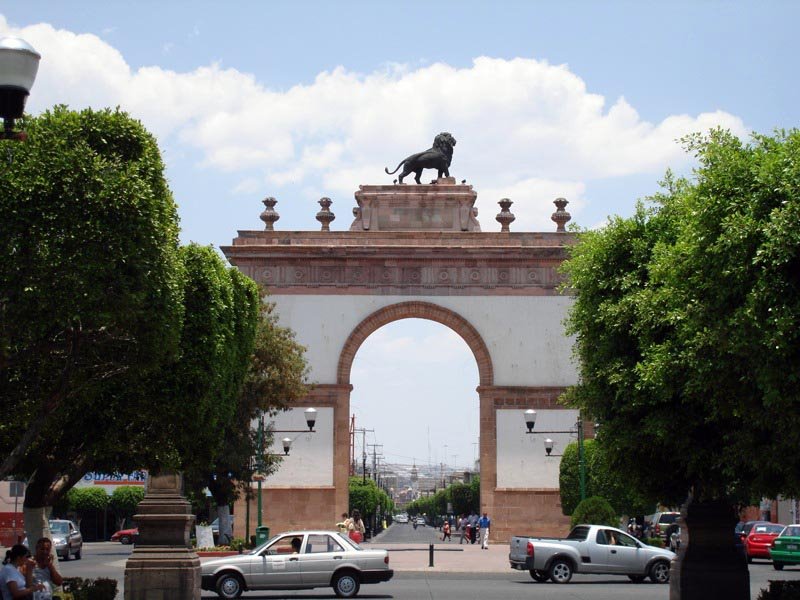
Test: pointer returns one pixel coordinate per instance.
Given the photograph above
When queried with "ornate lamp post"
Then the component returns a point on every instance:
(19, 63)
(530, 423)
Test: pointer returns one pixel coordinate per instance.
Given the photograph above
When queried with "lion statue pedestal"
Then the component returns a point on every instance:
(445, 206)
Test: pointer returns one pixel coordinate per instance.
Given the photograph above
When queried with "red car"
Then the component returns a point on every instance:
(125, 536)
(758, 541)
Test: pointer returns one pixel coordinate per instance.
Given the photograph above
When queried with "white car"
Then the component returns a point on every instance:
(401, 518)
(298, 560)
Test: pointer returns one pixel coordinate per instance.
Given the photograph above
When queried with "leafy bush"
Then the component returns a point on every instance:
(781, 590)
(91, 589)
(238, 544)
(654, 541)
(595, 510)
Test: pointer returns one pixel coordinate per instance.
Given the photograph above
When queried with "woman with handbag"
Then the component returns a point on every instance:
(357, 529)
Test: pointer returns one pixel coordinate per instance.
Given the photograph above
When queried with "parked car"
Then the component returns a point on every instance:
(595, 549)
(125, 536)
(759, 540)
(298, 560)
(67, 539)
(785, 549)
(660, 522)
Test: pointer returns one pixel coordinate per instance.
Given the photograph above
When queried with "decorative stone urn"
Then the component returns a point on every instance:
(163, 565)
(505, 217)
(269, 216)
(561, 216)
(325, 216)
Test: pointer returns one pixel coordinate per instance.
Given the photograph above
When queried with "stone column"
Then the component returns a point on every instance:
(163, 566)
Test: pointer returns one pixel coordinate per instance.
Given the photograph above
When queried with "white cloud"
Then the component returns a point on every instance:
(526, 129)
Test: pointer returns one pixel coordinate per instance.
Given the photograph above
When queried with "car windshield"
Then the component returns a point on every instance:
(59, 527)
(791, 530)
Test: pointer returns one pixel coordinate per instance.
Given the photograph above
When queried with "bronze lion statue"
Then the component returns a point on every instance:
(437, 157)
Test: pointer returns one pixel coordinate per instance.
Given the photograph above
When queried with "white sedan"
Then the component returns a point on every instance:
(298, 560)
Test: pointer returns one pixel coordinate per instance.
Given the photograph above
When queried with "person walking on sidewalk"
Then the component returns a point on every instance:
(473, 527)
(462, 527)
(446, 531)
(484, 524)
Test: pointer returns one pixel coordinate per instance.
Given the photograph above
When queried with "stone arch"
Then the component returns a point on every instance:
(416, 310)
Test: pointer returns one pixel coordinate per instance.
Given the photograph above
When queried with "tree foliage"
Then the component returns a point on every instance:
(601, 480)
(276, 376)
(86, 499)
(89, 275)
(685, 319)
(124, 500)
(367, 497)
(595, 510)
(465, 498)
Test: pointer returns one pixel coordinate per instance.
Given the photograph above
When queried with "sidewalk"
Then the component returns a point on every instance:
(447, 557)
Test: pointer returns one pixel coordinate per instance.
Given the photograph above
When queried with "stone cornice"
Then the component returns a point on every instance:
(444, 263)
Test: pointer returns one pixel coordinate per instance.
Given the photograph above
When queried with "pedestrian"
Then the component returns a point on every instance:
(16, 577)
(484, 524)
(462, 527)
(446, 531)
(473, 524)
(356, 527)
(344, 524)
(45, 571)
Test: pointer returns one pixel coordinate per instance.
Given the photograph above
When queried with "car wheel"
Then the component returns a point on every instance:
(229, 585)
(560, 571)
(539, 575)
(78, 553)
(777, 566)
(659, 572)
(125, 540)
(67, 553)
(636, 578)
(346, 585)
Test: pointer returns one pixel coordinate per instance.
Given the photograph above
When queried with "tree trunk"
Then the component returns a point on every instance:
(225, 524)
(708, 566)
(36, 524)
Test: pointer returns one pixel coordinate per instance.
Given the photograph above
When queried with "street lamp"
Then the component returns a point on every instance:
(19, 63)
(530, 422)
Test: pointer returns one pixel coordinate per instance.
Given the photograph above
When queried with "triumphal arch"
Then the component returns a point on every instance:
(418, 251)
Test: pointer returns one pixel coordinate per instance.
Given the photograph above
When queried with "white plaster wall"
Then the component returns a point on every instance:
(310, 461)
(524, 334)
(521, 458)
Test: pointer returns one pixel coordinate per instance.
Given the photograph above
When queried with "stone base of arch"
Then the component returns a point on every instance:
(516, 511)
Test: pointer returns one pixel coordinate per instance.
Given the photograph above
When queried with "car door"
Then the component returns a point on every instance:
(598, 554)
(277, 565)
(321, 556)
(625, 555)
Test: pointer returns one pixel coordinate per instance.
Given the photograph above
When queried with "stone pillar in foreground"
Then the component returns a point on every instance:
(163, 566)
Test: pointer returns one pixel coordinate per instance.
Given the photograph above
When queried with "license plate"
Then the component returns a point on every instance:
(791, 546)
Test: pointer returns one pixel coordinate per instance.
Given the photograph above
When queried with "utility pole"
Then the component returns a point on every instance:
(375, 459)
(363, 432)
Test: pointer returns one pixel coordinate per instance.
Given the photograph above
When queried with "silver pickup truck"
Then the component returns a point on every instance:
(589, 549)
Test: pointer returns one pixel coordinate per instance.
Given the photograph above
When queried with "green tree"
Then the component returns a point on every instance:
(87, 500)
(124, 501)
(90, 287)
(276, 376)
(601, 480)
(595, 511)
(685, 323)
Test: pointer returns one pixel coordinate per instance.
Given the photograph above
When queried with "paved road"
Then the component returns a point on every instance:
(107, 559)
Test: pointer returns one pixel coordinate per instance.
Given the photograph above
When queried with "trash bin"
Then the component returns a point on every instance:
(262, 534)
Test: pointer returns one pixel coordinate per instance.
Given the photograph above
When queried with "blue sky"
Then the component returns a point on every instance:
(300, 100)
